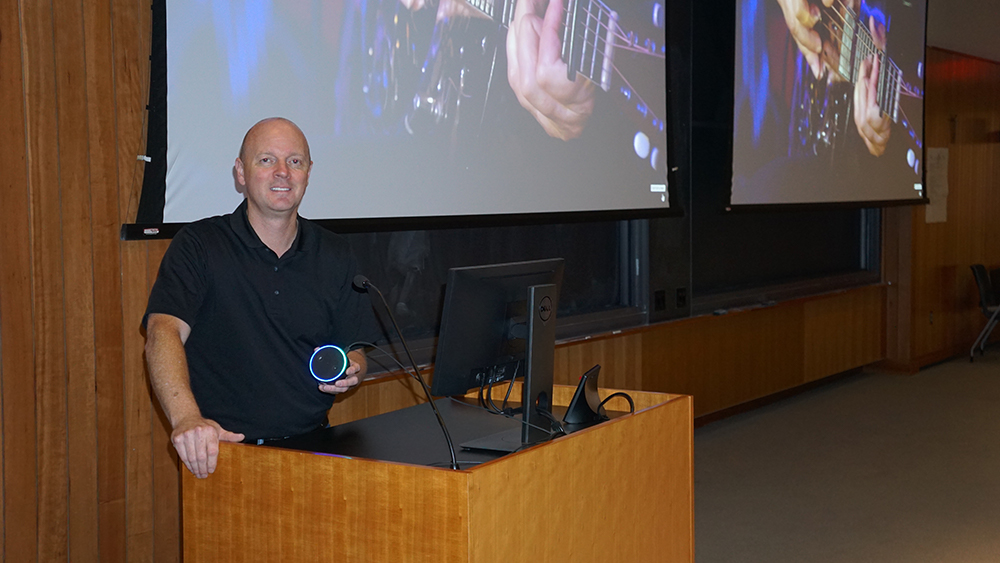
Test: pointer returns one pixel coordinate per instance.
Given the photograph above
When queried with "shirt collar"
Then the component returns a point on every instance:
(240, 224)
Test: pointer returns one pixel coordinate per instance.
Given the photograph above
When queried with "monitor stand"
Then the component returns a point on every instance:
(504, 441)
(537, 390)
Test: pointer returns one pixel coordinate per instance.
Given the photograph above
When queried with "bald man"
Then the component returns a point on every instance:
(240, 303)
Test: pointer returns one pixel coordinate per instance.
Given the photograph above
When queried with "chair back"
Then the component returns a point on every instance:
(987, 297)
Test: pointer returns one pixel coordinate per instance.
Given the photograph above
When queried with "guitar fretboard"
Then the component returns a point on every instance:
(488, 7)
(589, 28)
(588, 41)
(856, 45)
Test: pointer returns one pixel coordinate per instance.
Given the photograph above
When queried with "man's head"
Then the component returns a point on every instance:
(274, 167)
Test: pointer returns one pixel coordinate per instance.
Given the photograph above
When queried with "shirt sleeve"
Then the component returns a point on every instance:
(181, 282)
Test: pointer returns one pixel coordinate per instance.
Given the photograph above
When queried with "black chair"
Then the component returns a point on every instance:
(990, 305)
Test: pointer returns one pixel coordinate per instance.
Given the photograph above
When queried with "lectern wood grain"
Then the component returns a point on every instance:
(619, 491)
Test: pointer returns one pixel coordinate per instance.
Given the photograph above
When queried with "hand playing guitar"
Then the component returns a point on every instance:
(872, 124)
(446, 8)
(800, 17)
(537, 73)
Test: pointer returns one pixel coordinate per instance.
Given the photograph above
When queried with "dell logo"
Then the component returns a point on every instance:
(545, 309)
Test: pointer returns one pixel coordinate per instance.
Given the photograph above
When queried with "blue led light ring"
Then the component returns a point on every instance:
(343, 365)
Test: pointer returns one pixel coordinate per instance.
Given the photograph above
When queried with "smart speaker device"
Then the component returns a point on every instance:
(328, 363)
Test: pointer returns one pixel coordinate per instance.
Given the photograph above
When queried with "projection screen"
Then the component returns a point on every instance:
(409, 109)
(828, 101)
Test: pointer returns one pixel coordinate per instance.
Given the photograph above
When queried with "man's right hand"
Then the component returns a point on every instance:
(197, 440)
(800, 17)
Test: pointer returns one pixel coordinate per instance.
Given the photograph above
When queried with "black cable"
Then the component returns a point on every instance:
(363, 282)
(466, 462)
(505, 415)
(559, 427)
(511, 386)
(482, 401)
(489, 394)
(405, 369)
(631, 404)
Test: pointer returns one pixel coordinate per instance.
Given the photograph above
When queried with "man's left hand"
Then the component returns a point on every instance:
(873, 126)
(353, 375)
(537, 73)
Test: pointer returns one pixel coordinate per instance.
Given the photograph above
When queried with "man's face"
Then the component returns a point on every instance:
(274, 167)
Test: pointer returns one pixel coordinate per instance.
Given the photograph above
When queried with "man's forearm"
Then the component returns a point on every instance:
(168, 374)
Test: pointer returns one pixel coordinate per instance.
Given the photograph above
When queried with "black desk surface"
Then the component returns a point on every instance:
(410, 435)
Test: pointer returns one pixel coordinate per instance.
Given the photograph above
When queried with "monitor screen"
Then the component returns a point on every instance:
(484, 323)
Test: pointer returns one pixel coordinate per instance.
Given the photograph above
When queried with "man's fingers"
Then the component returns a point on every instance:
(807, 39)
(873, 81)
(525, 7)
(197, 446)
(807, 14)
(187, 452)
(186, 455)
(861, 88)
(212, 455)
(201, 448)
(227, 436)
(800, 17)
(527, 50)
(549, 43)
(872, 126)
(812, 59)
(341, 385)
(347, 382)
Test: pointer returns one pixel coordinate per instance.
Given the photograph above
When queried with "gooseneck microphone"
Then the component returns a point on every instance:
(362, 282)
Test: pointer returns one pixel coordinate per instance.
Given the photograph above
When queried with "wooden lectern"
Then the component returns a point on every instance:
(620, 491)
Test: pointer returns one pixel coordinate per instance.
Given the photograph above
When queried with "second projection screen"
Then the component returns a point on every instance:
(828, 101)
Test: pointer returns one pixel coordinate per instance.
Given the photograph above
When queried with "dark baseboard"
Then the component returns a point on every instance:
(896, 366)
(748, 406)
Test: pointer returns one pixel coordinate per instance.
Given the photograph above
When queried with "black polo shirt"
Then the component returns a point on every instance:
(256, 318)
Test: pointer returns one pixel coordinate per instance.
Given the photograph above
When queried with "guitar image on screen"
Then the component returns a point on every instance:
(822, 107)
(466, 57)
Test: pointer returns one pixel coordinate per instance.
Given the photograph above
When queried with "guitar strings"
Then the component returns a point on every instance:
(626, 45)
(601, 30)
(889, 82)
(867, 45)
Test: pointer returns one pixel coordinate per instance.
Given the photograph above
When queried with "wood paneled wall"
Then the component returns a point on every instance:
(88, 473)
(963, 115)
(735, 358)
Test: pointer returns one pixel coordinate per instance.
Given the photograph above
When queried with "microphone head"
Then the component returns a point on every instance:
(328, 363)
(361, 282)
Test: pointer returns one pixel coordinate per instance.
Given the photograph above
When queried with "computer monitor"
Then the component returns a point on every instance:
(499, 320)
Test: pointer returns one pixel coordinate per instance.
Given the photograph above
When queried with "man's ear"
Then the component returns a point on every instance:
(240, 177)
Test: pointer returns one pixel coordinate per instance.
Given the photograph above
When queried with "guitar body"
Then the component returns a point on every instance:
(389, 63)
(821, 115)
(463, 93)
(450, 99)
